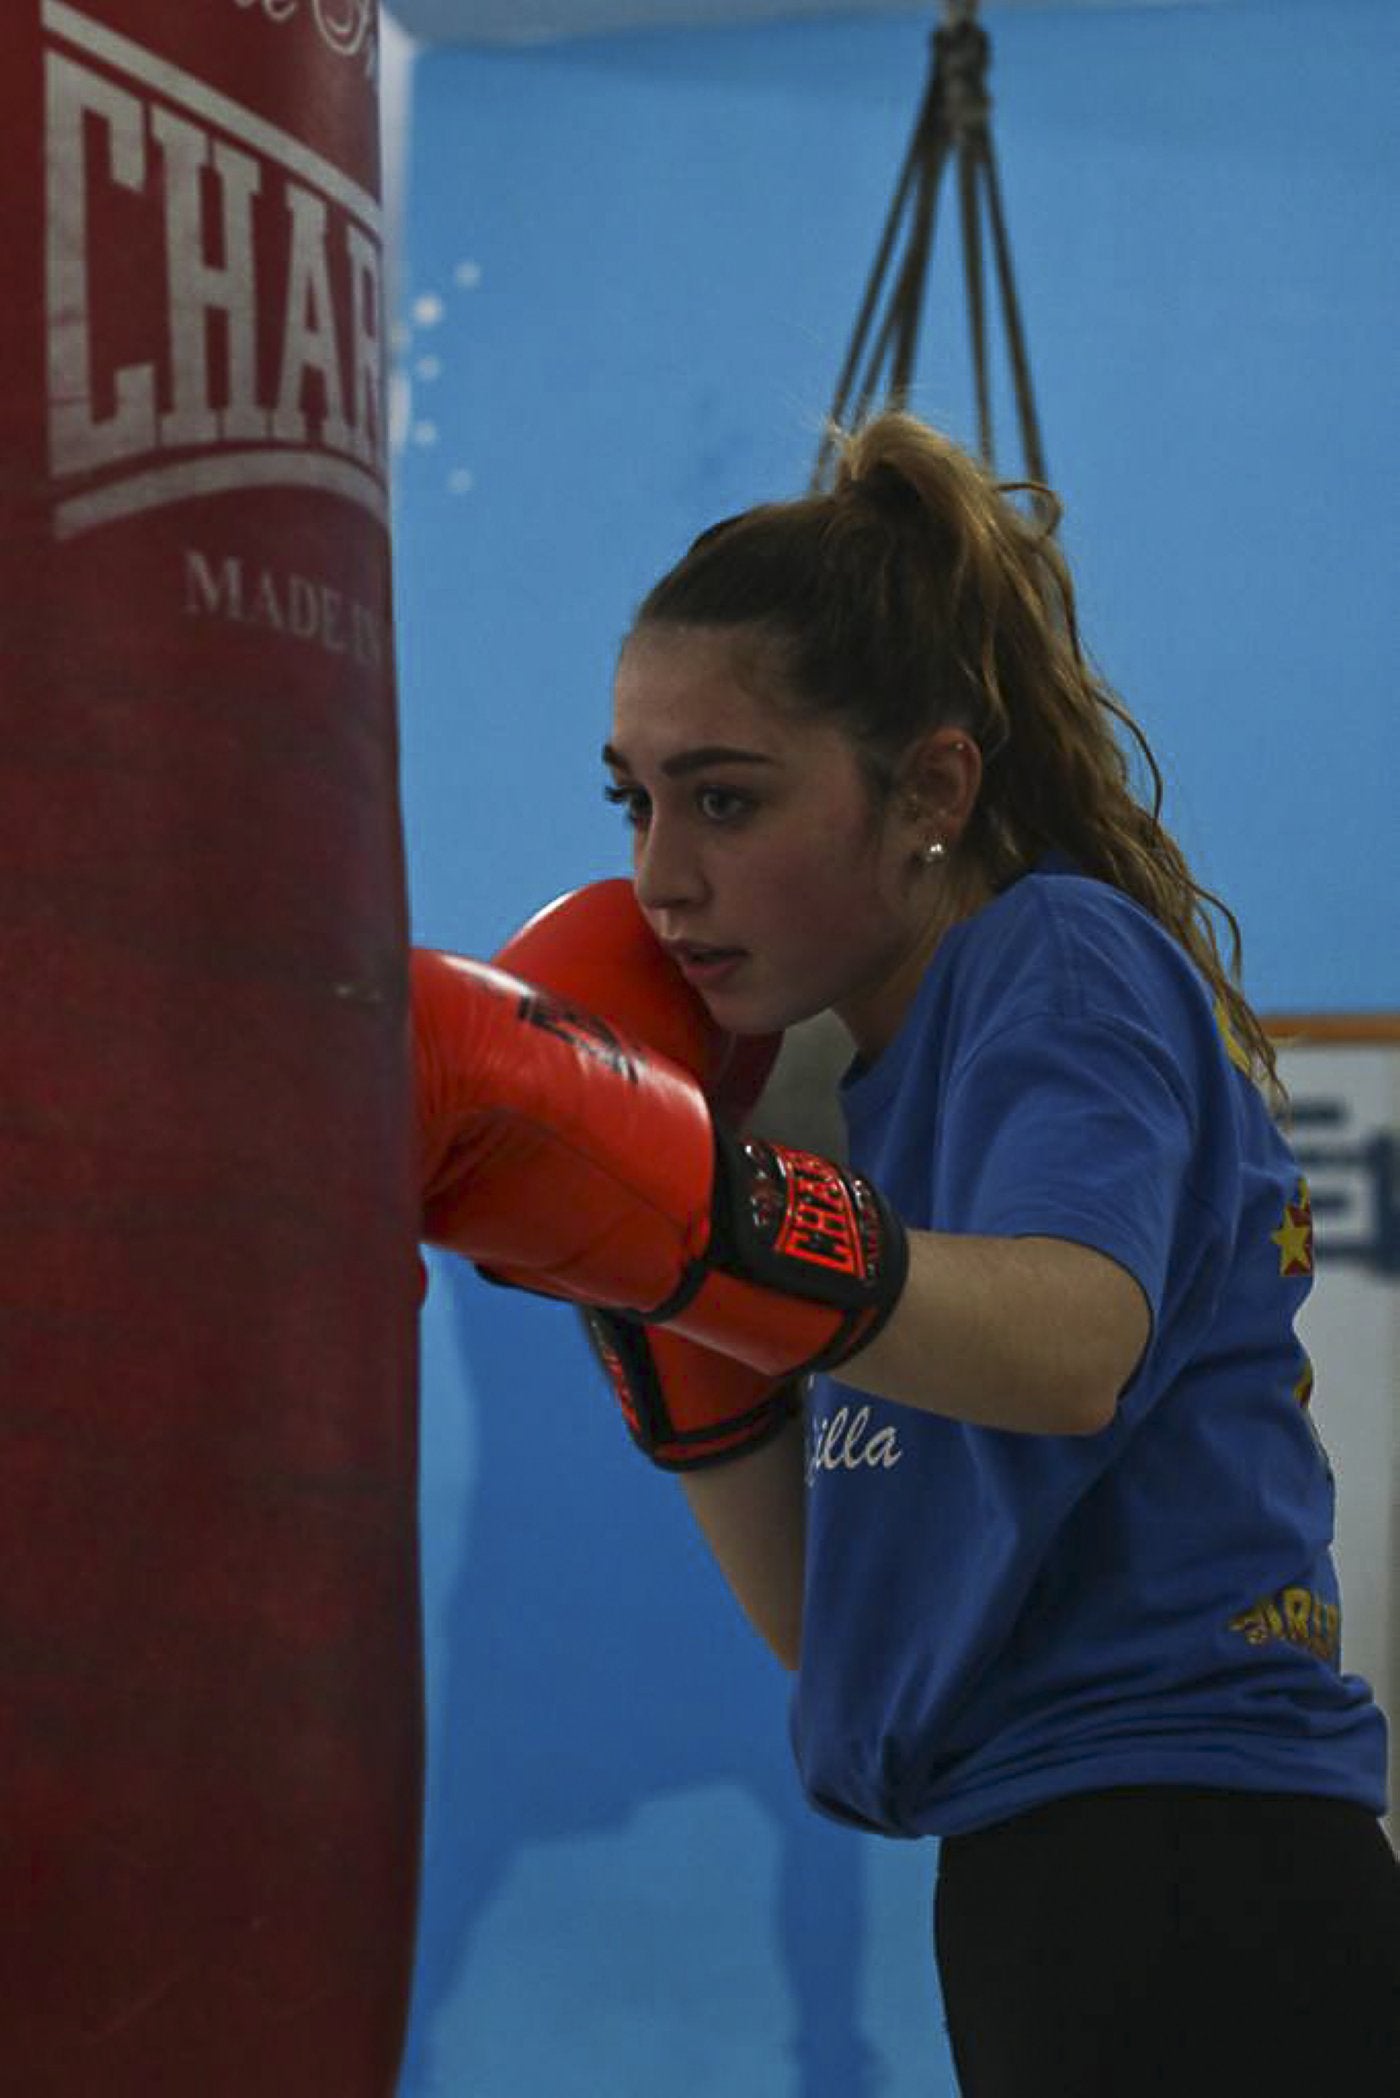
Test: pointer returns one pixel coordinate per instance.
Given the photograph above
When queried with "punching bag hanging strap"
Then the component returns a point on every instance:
(954, 117)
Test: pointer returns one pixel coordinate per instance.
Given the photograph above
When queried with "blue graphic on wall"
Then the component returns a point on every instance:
(1354, 1180)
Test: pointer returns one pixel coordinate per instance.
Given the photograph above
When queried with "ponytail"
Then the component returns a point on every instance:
(917, 593)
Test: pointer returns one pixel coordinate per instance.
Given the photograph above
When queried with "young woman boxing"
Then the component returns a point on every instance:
(1048, 1546)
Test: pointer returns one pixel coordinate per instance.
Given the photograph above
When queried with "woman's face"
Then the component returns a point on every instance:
(763, 861)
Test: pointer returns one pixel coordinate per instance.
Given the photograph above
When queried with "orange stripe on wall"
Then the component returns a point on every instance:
(1306, 1030)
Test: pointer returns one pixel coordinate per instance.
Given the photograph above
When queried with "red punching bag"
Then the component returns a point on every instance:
(210, 1690)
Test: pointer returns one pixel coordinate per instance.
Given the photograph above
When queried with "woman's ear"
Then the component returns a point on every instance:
(942, 777)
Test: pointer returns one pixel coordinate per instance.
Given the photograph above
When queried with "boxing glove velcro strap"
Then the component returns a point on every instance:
(685, 1407)
(806, 1229)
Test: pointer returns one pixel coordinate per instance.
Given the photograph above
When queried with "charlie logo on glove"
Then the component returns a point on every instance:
(582, 1031)
(805, 1210)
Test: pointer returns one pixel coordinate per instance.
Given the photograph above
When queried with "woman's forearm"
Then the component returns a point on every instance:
(1036, 1335)
(752, 1513)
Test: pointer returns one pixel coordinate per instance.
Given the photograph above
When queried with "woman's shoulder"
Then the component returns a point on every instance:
(1065, 974)
(1063, 943)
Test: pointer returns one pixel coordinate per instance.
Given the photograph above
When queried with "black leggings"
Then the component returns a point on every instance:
(1157, 1942)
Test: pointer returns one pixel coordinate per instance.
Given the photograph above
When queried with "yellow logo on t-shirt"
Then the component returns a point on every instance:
(1296, 1616)
(1294, 1237)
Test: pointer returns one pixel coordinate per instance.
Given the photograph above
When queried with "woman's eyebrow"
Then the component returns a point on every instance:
(693, 760)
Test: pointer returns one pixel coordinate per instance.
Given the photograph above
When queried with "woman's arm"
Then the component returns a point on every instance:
(1036, 1335)
(752, 1512)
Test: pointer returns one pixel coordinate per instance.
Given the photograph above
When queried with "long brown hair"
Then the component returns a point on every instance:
(916, 593)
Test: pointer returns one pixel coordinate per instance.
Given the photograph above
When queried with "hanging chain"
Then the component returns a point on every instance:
(954, 120)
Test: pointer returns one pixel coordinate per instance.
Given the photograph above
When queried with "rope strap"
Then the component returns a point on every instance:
(954, 120)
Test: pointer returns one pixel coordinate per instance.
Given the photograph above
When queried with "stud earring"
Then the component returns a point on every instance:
(935, 851)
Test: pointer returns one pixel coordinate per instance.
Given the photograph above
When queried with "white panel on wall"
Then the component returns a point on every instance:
(1346, 1129)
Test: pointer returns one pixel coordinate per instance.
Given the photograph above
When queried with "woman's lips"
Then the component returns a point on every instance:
(706, 966)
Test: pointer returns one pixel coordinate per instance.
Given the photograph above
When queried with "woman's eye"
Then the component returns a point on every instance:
(722, 804)
(632, 801)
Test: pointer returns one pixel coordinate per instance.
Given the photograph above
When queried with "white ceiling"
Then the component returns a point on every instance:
(529, 21)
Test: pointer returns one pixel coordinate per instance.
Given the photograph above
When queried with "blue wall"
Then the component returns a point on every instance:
(631, 267)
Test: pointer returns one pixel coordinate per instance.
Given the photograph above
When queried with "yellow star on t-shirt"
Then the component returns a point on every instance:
(1294, 1237)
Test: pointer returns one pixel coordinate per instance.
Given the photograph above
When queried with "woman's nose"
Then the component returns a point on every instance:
(666, 873)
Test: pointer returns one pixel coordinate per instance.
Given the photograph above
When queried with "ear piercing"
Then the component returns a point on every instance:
(935, 851)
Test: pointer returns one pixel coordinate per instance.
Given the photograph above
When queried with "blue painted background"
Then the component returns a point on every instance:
(630, 269)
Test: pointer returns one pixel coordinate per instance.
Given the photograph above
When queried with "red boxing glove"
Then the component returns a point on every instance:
(684, 1405)
(594, 949)
(566, 1158)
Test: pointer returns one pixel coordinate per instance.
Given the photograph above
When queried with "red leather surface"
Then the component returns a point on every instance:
(210, 1699)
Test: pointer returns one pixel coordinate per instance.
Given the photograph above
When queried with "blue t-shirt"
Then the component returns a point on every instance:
(993, 1619)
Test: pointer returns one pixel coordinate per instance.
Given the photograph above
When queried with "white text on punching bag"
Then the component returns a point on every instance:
(322, 421)
(307, 608)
